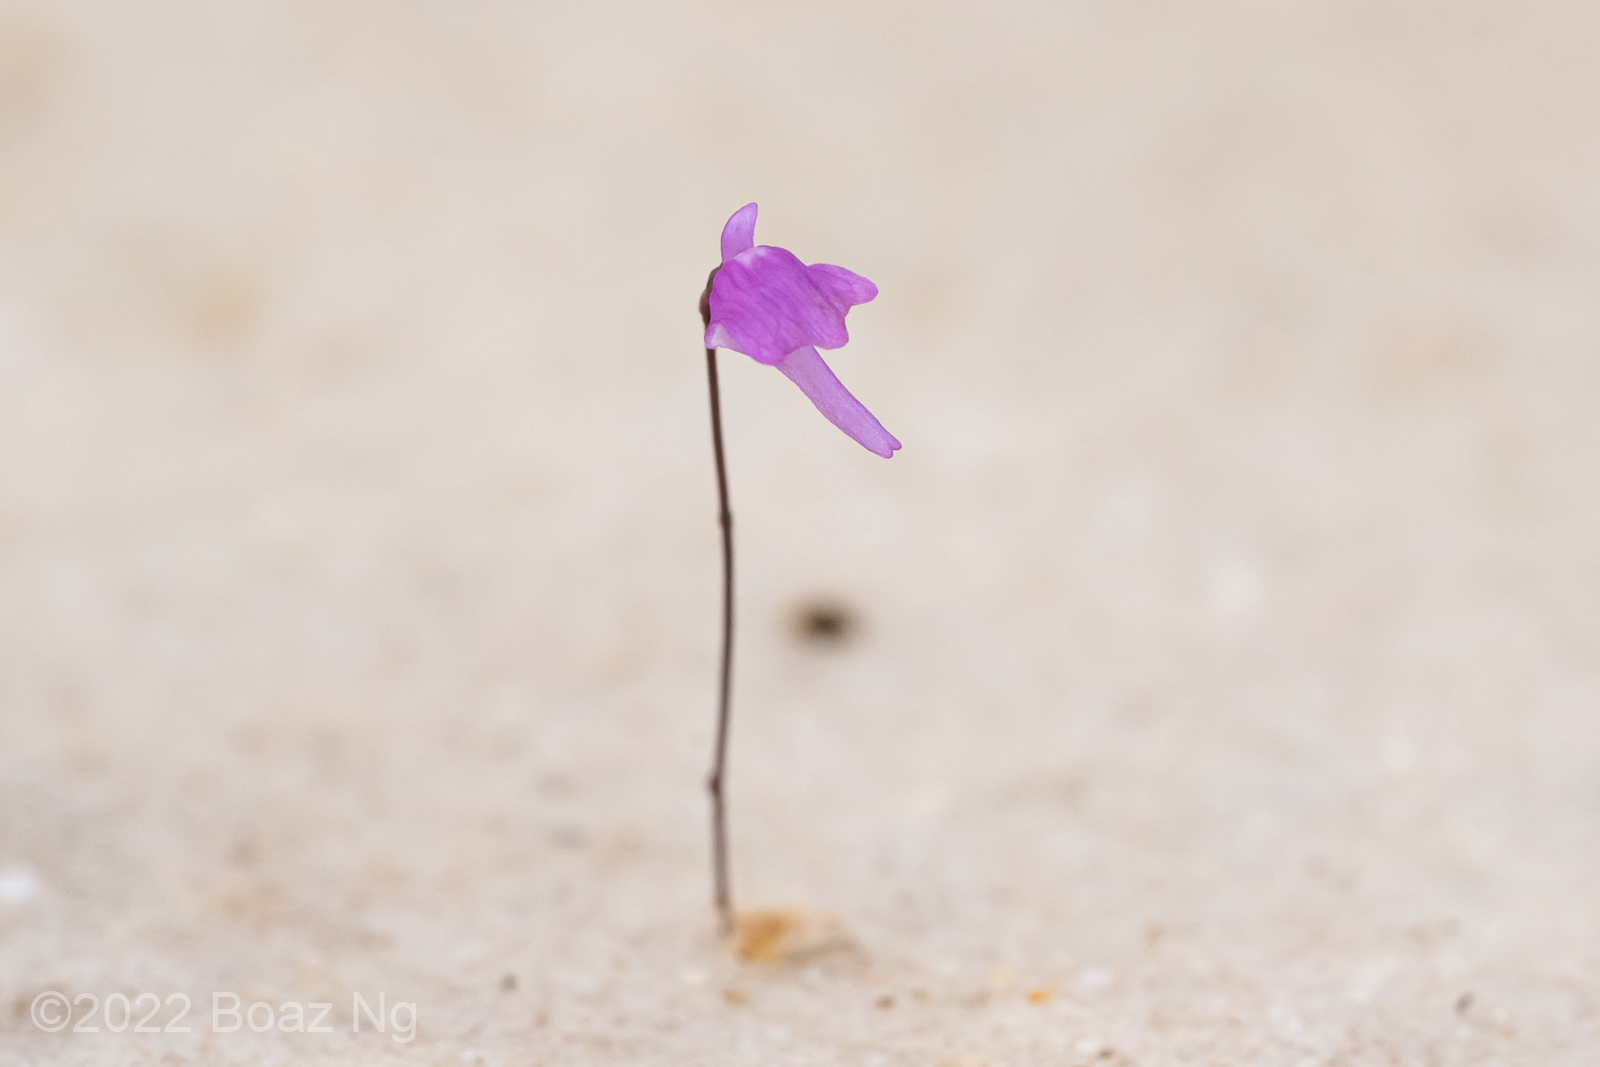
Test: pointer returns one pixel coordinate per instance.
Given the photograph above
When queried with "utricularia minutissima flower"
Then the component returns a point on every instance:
(778, 311)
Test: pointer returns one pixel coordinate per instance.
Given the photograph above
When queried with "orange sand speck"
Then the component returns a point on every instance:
(769, 935)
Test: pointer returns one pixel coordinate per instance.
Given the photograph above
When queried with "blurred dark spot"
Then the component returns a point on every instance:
(508, 984)
(1463, 1002)
(826, 623)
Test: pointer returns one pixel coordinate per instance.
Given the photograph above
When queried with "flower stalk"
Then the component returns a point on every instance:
(722, 894)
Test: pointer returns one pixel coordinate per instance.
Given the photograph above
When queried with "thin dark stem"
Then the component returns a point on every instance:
(722, 895)
(719, 830)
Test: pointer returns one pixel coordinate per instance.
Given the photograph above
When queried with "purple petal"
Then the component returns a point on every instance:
(769, 304)
(739, 235)
(849, 285)
(805, 368)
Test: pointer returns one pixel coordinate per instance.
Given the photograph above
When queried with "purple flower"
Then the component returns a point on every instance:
(778, 311)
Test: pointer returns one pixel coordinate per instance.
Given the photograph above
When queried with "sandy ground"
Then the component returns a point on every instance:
(1223, 677)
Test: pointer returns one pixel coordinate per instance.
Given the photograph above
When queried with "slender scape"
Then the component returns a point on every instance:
(719, 823)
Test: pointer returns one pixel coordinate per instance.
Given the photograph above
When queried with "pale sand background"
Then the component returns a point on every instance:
(1230, 651)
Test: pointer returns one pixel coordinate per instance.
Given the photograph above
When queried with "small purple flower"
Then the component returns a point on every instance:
(778, 311)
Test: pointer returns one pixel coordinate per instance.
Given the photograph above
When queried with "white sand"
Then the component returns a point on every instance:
(1229, 655)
